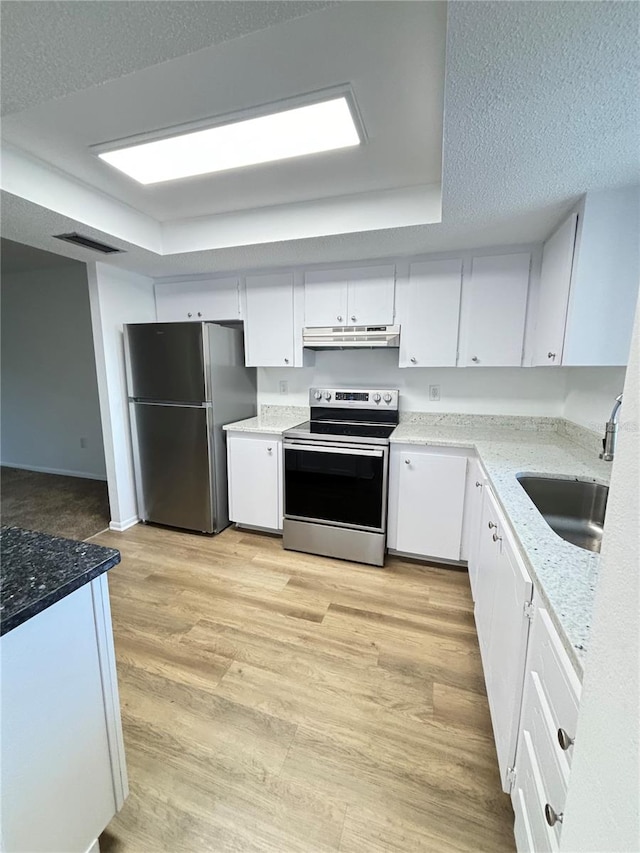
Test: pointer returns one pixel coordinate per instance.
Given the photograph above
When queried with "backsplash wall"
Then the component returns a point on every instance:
(580, 394)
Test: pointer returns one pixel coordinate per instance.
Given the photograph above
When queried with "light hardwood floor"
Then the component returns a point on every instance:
(275, 701)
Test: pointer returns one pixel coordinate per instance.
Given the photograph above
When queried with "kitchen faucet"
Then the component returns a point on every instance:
(611, 433)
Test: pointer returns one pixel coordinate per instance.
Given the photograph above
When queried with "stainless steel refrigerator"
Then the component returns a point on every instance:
(185, 381)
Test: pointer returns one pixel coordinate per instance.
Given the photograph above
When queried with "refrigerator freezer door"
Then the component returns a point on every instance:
(165, 362)
(173, 469)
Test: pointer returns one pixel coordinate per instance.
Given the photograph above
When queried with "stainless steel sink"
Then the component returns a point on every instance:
(574, 509)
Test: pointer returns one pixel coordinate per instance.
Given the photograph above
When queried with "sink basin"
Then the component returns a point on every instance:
(574, 509)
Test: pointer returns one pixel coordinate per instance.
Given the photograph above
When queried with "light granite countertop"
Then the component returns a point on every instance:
(271, 420)
(564, 575)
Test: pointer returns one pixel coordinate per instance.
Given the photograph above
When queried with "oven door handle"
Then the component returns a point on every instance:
(345, 451)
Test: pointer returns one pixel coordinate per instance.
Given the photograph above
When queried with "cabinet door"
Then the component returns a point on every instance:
(371, 296)
(553, 299)
(269, 332)
(254, 481)
(503, 586)
(216, 299)
(325, 298)
(494, 311)
(430, 326)
(507, 652)
(430, 499)
(485, 574)
(472, 518)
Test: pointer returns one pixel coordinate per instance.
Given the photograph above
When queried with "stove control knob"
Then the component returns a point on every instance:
(387, 398)
(327, 395)
(317, 395)
(376, 398)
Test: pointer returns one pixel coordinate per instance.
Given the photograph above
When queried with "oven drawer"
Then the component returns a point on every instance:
(342, 485)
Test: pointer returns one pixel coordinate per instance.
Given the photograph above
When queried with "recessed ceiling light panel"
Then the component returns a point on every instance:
(309, 129)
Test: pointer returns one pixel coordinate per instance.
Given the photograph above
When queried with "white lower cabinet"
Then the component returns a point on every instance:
(503, 599)
(545, 742)
(426, 500)
(254, 464)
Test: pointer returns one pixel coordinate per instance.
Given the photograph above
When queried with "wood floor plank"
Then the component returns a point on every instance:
(284, 702)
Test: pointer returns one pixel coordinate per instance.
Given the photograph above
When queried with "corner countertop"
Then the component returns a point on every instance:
(37, 570)
(273, 420)
(564, 575)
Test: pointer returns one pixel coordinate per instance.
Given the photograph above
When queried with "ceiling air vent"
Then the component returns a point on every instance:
(88, 243)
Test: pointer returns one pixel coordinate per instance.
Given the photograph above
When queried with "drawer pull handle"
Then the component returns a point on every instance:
(496, 538)
(492, 525)
(552, 817)
(564, 740)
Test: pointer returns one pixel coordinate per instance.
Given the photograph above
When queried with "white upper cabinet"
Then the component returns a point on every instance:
(494, 311)
(269, 321)
(361, 296)
(431, 314)
(214, 299)
(553, 297)
(589, 283)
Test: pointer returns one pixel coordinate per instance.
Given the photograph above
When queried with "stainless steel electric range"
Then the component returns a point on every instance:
(336, 475)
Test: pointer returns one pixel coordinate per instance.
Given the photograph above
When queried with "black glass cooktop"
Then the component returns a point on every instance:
(350, 430)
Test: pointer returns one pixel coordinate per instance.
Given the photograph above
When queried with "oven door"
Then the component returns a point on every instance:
(339, 485)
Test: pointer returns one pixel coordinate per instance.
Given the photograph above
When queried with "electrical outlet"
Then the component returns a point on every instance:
(434, 392)
(83, 443)
(284, 386)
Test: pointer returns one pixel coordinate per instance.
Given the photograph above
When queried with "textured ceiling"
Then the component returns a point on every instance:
(357, 42)
(541, 105)
(50, 49)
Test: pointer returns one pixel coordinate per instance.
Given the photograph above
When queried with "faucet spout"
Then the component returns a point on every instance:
(611, 433)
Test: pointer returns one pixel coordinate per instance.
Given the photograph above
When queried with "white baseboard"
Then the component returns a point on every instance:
(121, 526)
(85, 475)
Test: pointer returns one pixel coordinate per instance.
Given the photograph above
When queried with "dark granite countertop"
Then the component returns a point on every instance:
(36, 570)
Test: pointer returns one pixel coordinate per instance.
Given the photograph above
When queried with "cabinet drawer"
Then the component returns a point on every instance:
(558, 681)
(528, 798)
(538, 725)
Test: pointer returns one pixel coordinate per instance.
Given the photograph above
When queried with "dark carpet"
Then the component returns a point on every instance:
(62, 506)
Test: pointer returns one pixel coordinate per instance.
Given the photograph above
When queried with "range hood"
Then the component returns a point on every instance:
(351, 337)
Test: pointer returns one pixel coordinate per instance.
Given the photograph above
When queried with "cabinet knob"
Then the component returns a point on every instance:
(199, 313)
(496, 538)
(286, 361)
(339, 318)
(478, 484)
(353, 318)
(475, 358)
(269, 449)
(413, 361)
(552, 817)
(189, 314)
(492, 525)
(407, 462)
(551, 355)
(564, 740)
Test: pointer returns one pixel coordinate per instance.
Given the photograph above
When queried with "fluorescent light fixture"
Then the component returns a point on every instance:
(309, 129)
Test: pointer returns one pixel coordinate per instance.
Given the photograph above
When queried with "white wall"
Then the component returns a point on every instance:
(602, 811)
(581, 394)
(590, 394)
(117, 297)
(49, 387)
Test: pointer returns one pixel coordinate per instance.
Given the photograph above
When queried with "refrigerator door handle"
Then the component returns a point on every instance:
(140, 401)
